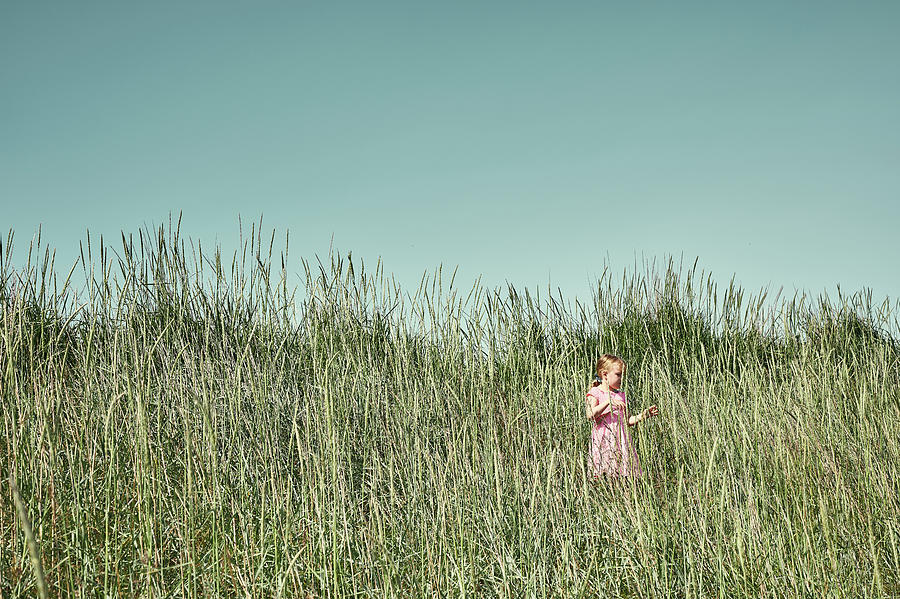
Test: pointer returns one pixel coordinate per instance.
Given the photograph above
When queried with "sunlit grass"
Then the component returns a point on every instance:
(188, 425)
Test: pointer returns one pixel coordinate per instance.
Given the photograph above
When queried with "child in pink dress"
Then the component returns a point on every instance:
(612, 453)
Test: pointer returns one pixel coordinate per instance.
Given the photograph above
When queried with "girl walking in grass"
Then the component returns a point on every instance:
(612, 453)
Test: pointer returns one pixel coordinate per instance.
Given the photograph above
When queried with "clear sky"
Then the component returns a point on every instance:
(526, 142)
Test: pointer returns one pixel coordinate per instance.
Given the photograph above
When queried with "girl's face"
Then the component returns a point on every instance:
(613, 376)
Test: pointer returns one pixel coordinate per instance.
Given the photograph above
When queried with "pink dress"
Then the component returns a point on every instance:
(612, 453)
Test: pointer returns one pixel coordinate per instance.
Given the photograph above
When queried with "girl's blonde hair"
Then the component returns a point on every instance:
(606, 361)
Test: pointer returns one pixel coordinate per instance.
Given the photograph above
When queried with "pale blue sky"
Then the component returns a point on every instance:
(525, 142)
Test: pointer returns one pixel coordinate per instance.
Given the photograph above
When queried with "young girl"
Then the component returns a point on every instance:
(605, 405)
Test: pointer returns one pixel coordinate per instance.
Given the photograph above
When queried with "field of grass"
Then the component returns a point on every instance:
(189, 425)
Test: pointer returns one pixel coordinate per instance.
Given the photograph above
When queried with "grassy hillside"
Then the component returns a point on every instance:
(188, 425)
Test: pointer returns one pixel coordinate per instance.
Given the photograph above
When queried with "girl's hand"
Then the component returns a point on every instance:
(651, 411)
(616, 405)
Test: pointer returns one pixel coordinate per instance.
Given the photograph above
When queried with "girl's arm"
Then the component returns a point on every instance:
(594, 407)
(648, 413)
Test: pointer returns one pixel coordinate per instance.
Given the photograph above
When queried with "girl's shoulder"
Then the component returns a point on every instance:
(601, 394)
(597, 392)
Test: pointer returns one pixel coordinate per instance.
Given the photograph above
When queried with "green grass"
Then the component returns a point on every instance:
(190, 425)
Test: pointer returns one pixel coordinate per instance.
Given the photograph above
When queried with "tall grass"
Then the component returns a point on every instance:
(188, 425)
